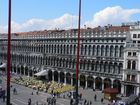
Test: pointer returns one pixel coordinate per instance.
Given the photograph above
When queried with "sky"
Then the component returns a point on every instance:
(31, 15)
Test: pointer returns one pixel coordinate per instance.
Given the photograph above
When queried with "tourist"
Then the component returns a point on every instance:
(71, 102)
(95, 97)
(102, 100)
(29, 101)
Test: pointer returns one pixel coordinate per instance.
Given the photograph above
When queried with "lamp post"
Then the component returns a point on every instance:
(8, 54)
(78, 52)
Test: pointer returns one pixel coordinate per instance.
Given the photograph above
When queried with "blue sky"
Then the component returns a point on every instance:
(29, 15)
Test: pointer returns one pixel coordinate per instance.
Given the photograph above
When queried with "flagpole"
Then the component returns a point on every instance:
(78, 52)
(8, 54)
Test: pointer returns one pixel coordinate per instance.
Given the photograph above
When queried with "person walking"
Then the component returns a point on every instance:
(102, 100)
(95, 97)
(29, 101)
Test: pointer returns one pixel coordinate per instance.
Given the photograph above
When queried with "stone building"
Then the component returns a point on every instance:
(104, 60)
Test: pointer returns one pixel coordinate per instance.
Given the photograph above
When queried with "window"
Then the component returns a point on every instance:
(134, 35)
(134, 53)
(129, 65)
(134, 41)
(133, 78)
(138, 35)
(128, 77)
(129, 53)
(134, 65)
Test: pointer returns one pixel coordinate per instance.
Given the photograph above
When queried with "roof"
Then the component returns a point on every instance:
(111, 90)
(96, 29)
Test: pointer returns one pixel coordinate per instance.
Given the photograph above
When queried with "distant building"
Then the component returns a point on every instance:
(109, 56)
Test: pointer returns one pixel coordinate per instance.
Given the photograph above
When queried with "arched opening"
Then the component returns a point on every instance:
(134, 65)
(90, 81)
(68, 78)
(50, 75)
(102, 50)
(111, 51)
(14, 69)
(98, 83)
(62, 76)
(11, 70)
(22, 70)
(128, 64)
(98, 51)
(82, 80)
(117, 84)
(107, 83)
(56, 76)
(26, 71)
(74, 79)
(18, 70)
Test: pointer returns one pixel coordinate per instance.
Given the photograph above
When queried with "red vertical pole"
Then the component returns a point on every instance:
(8, 54)
(78, 51)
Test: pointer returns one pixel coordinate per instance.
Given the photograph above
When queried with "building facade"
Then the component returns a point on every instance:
(131, 67)
(103, 56)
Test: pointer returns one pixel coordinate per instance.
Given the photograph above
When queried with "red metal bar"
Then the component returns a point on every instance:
(78, 52)
(8, 54)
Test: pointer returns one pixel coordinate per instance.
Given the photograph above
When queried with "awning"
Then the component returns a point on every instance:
(41, 73)
(3, 65)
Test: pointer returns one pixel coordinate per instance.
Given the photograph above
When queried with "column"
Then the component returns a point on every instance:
(52, 75)
(123, 89)
(24, 70)
(33, 72)
(118, 51)
(58, 77)
(102, 84)
(108, 54)
(94, 84)
(20, 70)
(71, 80)
(28, 72)
(86, 81)
(16, 70)
(138, 90)
(65, 77)
(78, 83)
(112, 80)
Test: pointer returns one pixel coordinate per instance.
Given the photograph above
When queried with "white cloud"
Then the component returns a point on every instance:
(111, 15)
(64, 22)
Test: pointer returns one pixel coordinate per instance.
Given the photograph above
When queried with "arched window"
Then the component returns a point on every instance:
(85, 50)
(102, 51)
(82, 49)
(129, 65)
(111, 51)
(93, 50)
(98, 50)
(134, 65)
